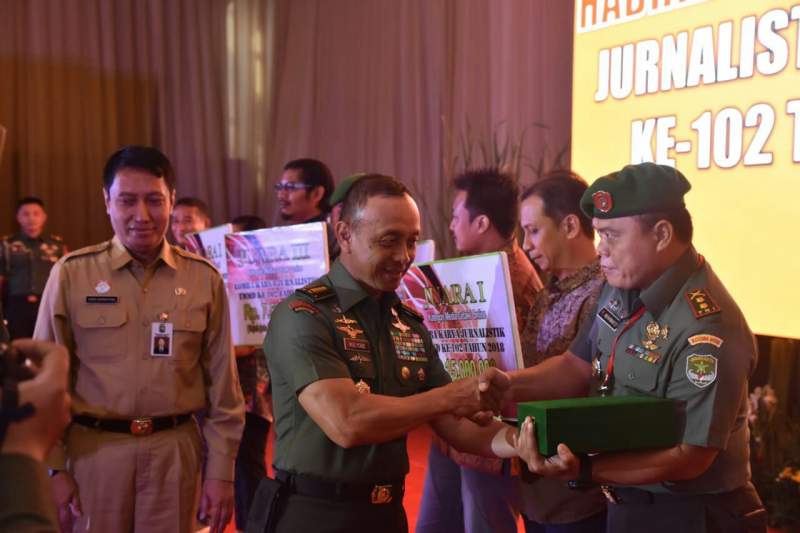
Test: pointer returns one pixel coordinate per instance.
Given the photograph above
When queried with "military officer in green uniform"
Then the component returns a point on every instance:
(25, 262)
(353, 370)
(664, 326)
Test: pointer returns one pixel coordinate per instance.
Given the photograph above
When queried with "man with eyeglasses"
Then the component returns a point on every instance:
(304, 190)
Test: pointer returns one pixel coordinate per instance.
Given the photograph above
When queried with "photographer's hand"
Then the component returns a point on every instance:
(36, 435)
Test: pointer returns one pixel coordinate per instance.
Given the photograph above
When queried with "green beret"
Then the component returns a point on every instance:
(634, 190)
(343, 188)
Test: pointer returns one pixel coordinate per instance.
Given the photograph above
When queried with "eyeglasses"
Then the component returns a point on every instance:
(291, 186)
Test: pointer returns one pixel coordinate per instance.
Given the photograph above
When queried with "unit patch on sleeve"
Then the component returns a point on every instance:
(701, 369)
(701, 303)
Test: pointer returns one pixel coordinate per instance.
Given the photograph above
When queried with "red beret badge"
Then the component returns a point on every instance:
(602, 201)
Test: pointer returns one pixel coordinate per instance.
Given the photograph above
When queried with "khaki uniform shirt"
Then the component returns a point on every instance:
(332, 328)
(25, 263)
(682, 338)
(100, 303)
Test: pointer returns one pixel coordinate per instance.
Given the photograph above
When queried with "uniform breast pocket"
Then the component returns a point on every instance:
(637, 374)
(101, 333)
(188, 329)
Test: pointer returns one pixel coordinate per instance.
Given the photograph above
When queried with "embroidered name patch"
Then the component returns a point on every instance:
(359, 345)
(611, 320)
(705, 338)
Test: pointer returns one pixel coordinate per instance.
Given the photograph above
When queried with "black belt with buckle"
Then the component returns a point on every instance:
(141, 426)
(375, 493)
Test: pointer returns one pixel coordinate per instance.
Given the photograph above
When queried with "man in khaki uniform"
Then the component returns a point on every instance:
(132, 455)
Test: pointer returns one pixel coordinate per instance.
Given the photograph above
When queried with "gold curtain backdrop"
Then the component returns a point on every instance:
(231, 90)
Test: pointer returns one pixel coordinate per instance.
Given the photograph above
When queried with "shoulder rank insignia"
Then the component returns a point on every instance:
(411, 312)
(317, 292)
(701, 303)
(300, 305)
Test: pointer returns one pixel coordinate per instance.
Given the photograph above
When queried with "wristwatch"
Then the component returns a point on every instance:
(584, 480)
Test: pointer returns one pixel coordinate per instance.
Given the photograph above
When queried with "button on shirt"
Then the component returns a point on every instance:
(690, 343)
(101, 304)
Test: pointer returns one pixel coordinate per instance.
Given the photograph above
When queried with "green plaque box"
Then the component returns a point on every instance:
(601, 424)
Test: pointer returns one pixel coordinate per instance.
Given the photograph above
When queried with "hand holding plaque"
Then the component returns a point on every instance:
(563, 465)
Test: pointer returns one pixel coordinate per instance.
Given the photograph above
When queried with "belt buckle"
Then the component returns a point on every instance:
(381, 494)
(610, 494)
(141, 427)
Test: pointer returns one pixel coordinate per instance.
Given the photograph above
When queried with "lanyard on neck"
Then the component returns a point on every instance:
(605, 388)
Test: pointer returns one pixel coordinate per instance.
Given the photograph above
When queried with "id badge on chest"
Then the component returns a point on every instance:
(161, 339)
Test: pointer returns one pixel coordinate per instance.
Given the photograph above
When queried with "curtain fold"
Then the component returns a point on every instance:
(231, 90)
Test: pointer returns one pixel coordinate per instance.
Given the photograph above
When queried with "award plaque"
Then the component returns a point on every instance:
(602, 424)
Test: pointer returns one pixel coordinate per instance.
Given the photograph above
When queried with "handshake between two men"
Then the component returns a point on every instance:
(482, 399)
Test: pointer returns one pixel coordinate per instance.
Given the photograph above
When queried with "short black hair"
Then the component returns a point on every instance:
(492, 193)
(144, 158)
(364, 189)
(316, 174)
(200, 205)
(249, 222)
(561, 192)
(680, 218)
(30, 200)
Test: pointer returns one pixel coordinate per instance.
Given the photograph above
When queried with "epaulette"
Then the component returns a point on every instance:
(701, 303)
(411, 312)
(88, 250)
(191, 255)
(317, 291)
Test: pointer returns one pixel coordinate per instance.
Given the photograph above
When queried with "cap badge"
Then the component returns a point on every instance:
(602, 201)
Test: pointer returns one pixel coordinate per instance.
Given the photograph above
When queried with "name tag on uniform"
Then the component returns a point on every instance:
(609, 318)
(161, 339)
(102, 299)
